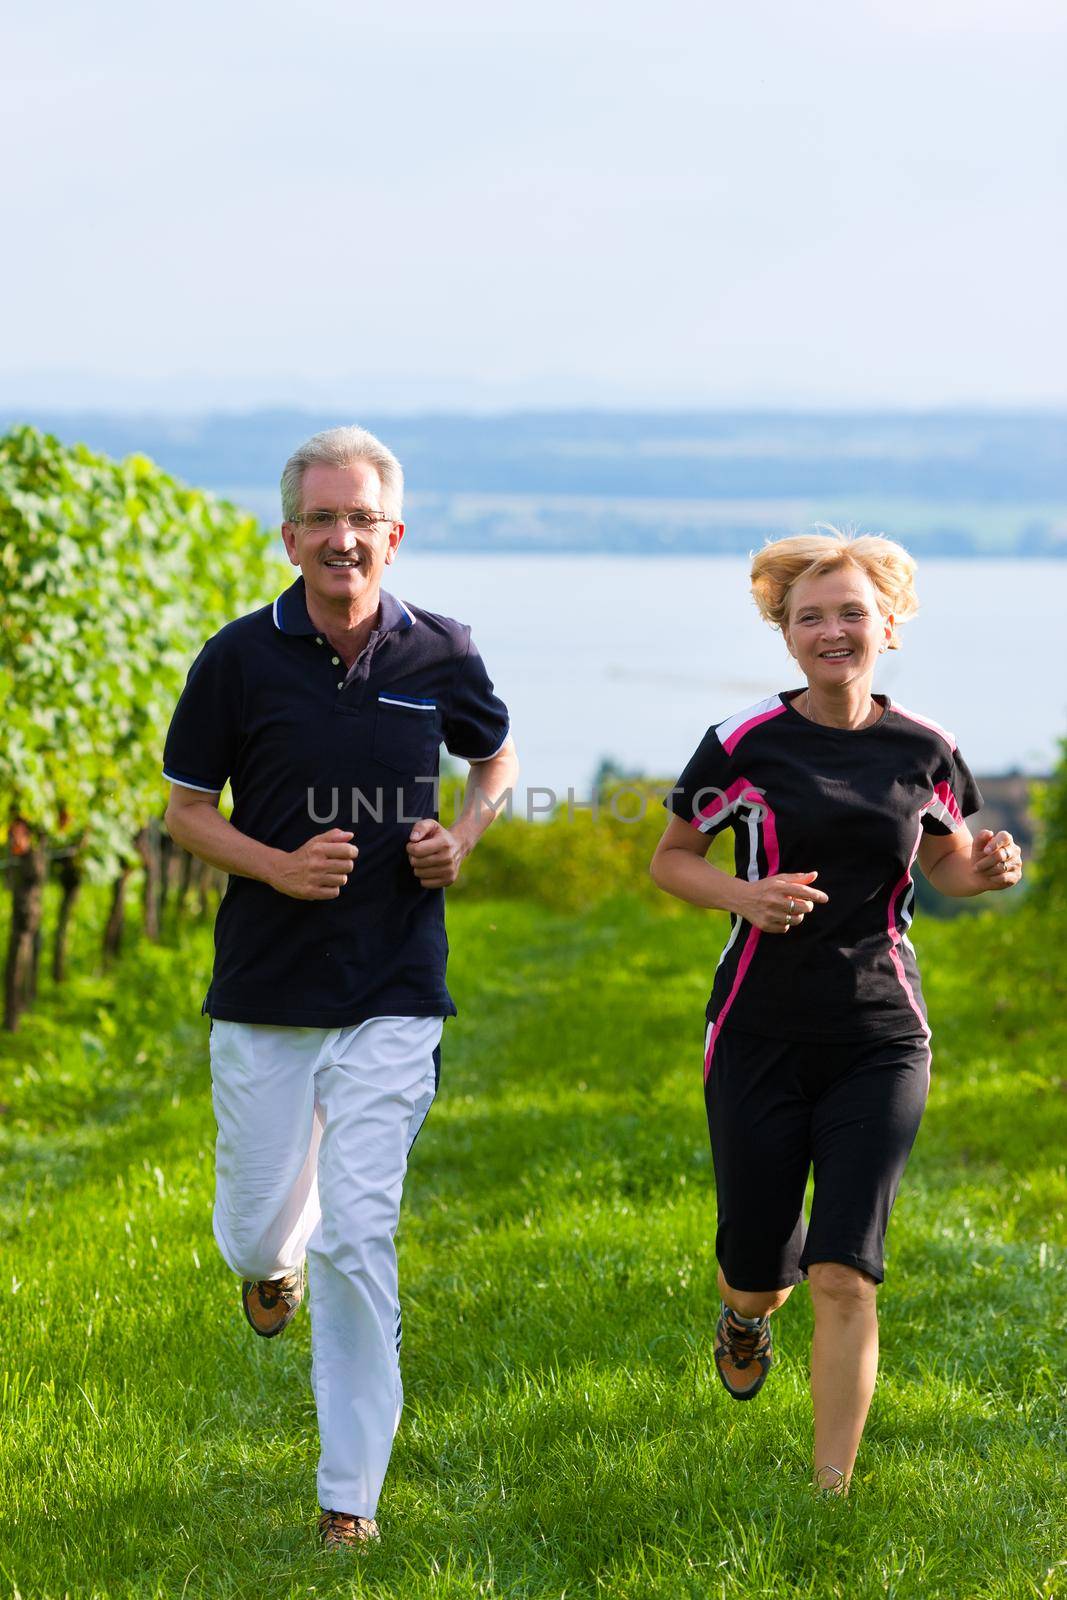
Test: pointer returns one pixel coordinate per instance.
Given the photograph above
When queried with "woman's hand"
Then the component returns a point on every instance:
(996, 859)
(957, 864)
(774, 905)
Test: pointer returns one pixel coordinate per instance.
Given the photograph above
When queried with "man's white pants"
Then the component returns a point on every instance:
(315, 1126)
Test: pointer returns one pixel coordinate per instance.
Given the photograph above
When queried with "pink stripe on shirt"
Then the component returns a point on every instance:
(732, 740)
(944, 793)
(770, 845)
(935, 727)
(895, 937)
(724, 801)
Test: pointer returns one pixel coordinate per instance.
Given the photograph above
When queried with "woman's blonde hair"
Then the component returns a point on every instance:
(776, 568)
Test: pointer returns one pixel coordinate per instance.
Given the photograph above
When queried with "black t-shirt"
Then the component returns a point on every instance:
(851, 804)
(308, 746)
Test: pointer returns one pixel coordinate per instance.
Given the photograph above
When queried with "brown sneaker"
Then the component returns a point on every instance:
(742, 1352)
(271, 1304)
(339, 1531)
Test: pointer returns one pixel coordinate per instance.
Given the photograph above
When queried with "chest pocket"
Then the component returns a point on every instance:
(407, 733)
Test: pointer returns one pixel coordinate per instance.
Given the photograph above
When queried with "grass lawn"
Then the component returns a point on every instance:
(565, 1433)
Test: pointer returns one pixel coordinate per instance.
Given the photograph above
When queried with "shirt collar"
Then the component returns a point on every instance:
(291, 613)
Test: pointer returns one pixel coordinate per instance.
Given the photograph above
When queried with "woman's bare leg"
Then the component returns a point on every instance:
(844, 1365)
(743, 1353)
(753, 1302)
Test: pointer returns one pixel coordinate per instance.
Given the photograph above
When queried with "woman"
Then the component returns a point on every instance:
(817, 1049)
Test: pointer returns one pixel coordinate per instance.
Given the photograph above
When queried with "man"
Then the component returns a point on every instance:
(328, 996)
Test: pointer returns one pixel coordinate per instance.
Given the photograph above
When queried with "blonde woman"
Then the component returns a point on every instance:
(817, 1052)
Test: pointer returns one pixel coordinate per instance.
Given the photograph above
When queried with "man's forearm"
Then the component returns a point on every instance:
(207, 834)
(487, 786)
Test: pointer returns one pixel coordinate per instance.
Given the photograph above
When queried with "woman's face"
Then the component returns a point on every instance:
(835, 629)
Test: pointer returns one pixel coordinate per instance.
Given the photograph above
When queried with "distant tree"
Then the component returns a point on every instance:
(611, 773)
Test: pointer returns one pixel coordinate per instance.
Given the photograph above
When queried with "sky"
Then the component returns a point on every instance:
(409, 206)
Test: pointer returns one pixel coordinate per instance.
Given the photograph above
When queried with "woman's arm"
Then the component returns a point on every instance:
(958, 864)
(679, 868)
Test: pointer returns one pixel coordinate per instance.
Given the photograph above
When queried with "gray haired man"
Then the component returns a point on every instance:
(328, 996)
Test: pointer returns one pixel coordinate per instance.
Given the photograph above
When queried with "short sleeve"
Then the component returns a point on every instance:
(202, 741)
(956, 796)
(476, 723)
(703, 795)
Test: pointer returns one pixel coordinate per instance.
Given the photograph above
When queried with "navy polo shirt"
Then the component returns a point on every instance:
(268, 705)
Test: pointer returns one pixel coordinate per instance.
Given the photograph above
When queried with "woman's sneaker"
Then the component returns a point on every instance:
(743, 1355)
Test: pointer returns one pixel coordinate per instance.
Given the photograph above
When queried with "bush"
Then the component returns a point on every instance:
(575, 859)
(1050, 802)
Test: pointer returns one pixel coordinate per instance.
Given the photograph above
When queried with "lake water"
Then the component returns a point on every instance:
(633, 658)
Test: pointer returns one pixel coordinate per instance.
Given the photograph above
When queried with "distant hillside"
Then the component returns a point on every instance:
(948, 482)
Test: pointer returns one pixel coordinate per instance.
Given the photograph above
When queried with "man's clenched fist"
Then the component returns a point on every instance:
(319, 869)
(435, 854)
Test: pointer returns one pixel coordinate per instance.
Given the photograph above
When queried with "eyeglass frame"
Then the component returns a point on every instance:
(369, 519)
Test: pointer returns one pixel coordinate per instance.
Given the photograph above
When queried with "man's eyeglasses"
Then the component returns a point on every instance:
(326, 521)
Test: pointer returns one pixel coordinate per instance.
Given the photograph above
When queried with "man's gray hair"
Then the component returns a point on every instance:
(339, 447)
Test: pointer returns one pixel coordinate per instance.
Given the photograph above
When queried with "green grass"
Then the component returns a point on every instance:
(565, 1434)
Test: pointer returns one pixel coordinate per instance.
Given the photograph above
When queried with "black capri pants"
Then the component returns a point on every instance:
(778, 1107)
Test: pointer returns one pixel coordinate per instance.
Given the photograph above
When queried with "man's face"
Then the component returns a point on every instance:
(341, 562)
